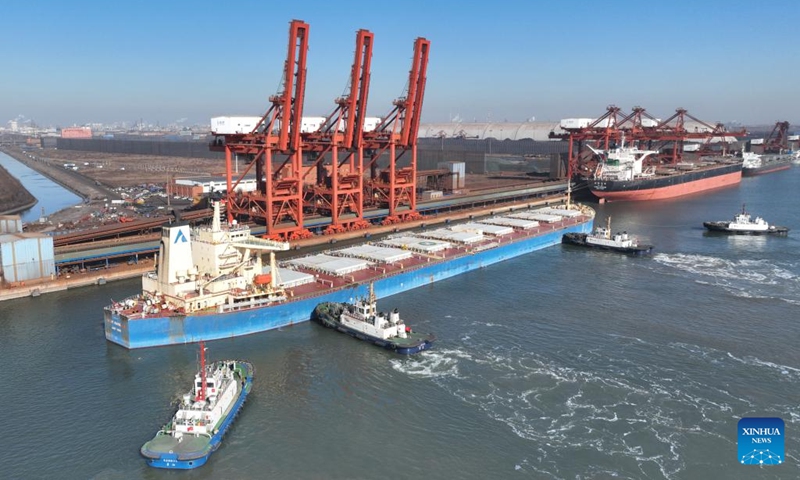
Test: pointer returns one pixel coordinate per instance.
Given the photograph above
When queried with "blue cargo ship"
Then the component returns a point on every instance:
(213, 282)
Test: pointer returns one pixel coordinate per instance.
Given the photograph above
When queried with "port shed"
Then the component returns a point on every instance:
(416, 244)
(376, 253)
(324, 263)
(519, 223)
(26, 256)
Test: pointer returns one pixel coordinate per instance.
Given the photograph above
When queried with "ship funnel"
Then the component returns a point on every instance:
(175, 253)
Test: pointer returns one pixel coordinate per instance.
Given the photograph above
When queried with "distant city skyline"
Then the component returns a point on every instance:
(510, 61)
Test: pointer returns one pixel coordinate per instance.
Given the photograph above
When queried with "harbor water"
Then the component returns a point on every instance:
(51, 196)
(560, 364)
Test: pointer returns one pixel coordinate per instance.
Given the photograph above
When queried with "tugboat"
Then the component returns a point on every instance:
(742, 224)
(203, 417)
(602, 239)
(363, 321)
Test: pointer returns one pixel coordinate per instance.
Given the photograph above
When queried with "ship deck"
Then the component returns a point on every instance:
(325, 281)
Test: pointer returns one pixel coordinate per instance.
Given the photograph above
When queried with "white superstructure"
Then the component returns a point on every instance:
(602, 236)
(743, 222)
(751, 160)
(364, 317)
(623, 163)
(211, 267)
(200, 411)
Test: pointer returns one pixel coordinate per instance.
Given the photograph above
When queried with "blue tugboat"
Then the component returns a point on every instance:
(204, 416)
(363, 321)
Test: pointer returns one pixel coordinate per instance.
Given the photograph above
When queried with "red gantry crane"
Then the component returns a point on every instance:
(274, 151)
(637, 127)
(778, 139)
(337, 152)
(394, 186)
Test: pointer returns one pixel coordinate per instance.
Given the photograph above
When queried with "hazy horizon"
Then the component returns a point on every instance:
(92, 62)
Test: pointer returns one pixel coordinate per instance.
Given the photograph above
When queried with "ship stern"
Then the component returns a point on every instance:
(116, 327)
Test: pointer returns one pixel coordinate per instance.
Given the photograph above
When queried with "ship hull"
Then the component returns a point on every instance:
(668, 186)
(722, 227)
(387, 344)
(326, 315)
(770, 167)
(579, 240)
(180, 329)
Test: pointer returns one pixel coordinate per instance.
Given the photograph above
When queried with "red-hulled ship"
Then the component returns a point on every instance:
(622, 176)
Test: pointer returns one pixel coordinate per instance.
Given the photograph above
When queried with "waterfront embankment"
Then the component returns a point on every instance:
(14, 198)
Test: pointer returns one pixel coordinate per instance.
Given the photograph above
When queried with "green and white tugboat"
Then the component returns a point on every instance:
(203, 417)
(363, 321)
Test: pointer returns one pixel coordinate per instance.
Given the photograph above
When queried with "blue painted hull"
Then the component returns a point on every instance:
(171, 460)
(413, 350)
(159, 331)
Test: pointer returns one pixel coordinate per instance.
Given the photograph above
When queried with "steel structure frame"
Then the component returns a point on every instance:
(639, 127)
(396, 134)
(275, 151)
(337, 152)
(778, 139)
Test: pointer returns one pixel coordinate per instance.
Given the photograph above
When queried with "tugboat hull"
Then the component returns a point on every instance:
(327, 314)
(723, 227)
(165, 451)
(580, 240)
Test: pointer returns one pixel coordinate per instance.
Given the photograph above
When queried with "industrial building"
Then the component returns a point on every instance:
(24, 256)
(76, 132)
(192, 187)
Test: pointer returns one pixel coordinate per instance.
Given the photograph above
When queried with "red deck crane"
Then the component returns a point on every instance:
(394, 186)
(337, 149)
(274, 148)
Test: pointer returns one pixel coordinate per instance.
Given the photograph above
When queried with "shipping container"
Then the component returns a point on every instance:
(650, 122)
(573, 123)
(757, 141)
(26, 256)
(10, 224)
(370, 123)
(793, 137)
(233, 125)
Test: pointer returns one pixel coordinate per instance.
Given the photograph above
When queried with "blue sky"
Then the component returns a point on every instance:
(82, 61)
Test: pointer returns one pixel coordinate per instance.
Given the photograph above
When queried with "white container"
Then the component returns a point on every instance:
(233, 125)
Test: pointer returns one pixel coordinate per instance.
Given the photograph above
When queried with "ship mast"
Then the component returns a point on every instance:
(201, 395)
